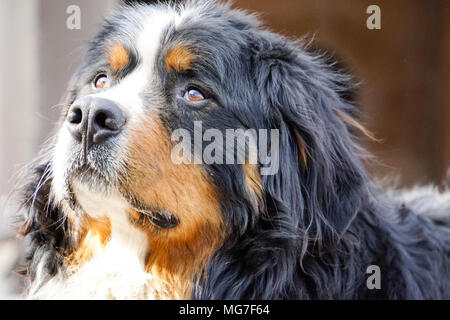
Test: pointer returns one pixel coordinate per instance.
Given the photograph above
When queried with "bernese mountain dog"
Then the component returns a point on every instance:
(110, 213)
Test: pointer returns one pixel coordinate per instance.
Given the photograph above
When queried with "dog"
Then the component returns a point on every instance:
(110, 214)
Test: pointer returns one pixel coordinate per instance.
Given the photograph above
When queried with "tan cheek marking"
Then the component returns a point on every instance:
(94, 235)
(179, 59)
(176, 255)
(254, 183)
(118, 57)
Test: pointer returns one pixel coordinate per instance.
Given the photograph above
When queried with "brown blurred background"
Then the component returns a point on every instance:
(404, 69)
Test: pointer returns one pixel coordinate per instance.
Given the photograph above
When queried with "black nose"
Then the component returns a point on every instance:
(94, 120)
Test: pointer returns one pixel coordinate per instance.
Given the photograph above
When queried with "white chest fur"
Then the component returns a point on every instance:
(116, 272)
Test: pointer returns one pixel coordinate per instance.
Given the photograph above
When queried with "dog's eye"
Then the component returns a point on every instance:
(193, 95)
(101, 81)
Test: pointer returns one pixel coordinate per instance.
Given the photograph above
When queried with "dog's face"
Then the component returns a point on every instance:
(155, 70)
(140, 81)
(150, 72)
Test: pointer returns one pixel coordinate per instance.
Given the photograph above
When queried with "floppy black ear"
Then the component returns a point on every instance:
(321, 179)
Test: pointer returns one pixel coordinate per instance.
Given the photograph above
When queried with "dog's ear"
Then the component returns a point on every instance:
(321, 178)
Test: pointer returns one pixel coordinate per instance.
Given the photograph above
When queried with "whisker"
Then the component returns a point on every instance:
(44, 178)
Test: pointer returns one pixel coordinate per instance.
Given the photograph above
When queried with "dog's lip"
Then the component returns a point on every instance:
(85, 170)
(159, 217)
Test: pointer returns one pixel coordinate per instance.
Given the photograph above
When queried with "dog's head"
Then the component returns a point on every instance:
(151, 131)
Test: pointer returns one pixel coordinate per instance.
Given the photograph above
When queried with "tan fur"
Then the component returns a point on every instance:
(253, 182)
(118, 57)
(355, 124)
(176, 255)
(303, 152)
(94, 235)
(179, 59)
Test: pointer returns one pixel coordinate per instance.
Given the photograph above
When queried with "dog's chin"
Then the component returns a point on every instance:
(88, 186)
(91, 180)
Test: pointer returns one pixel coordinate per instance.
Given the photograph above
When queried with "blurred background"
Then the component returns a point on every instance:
(404, 70)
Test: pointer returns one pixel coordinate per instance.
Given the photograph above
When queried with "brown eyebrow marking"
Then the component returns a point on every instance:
(118, 57)
(179, 58)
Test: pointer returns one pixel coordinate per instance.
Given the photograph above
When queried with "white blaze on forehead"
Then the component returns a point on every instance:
(129, 91)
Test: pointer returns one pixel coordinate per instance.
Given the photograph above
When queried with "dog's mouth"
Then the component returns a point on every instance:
(159, 217)
(98, 182)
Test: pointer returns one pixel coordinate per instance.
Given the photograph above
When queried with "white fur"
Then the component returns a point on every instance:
(425, 200)
(117, 272)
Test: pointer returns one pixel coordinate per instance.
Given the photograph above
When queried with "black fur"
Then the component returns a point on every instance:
(322, 223)
(45, 225)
